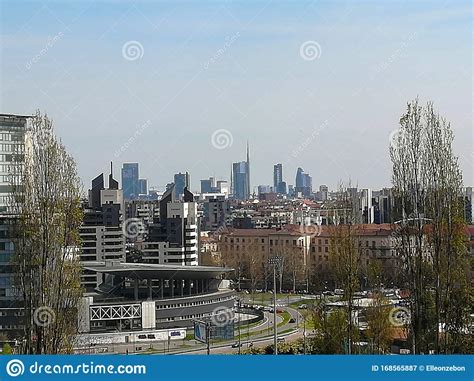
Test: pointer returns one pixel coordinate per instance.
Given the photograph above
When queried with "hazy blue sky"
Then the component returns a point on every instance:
(314, 84)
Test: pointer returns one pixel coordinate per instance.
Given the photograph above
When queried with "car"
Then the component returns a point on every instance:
(292, 320)
(236, 345)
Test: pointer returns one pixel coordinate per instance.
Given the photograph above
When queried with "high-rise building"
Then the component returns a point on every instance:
(241, 178)
(303, 183)
(173, 237)
(143, 187)
(208, 185)
(216, 213)
(130, 185)
(277, 177)
(366, 206)
(12, 134)
(181, 181)
(101, 231)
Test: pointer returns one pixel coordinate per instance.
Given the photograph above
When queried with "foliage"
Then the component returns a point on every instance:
(46, 202)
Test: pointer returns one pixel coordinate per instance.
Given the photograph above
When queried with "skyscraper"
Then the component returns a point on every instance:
(241, 178)
(181, 181)
(277, 176)
(303, 183)
(143, 187)
(130, 176)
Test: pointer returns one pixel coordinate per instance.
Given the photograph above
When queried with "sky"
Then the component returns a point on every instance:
(182, 86)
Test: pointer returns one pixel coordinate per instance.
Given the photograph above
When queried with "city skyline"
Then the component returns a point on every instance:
(301, 107)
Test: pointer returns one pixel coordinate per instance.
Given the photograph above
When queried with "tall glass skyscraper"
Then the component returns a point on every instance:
(181, 181)
(303, 183)
(130, 184)
(241, 178)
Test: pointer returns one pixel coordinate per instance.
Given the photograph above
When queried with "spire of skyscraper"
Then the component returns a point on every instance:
(248, 169)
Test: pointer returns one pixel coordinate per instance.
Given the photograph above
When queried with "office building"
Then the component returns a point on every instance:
(130, 184)
(216, 213)
(13, 130)
(303, 181)
(143, 187)
(101, 231)
(181, 181)
(173, 237)
(241, 179)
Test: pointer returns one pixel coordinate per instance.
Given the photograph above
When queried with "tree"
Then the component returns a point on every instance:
(46, 202)
(428, 192)
(344, 258)
(380, 330)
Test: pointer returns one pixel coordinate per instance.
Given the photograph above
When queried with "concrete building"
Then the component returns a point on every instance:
(144, 297)
(102, 229)
(173, 237)
(216, 213)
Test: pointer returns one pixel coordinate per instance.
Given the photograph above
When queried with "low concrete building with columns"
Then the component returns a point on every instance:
(141, 296)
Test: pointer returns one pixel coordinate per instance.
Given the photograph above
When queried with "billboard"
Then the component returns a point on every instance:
(200, 331)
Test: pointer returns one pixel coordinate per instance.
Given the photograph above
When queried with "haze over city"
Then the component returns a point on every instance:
(316, 85)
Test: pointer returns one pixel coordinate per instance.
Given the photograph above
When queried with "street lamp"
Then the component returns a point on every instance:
(275, 261)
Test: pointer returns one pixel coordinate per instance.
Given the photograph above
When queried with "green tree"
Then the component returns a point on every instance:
(380, 330)
(46, 202)
(428, 193)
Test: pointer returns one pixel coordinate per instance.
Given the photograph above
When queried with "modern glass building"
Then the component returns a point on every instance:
(12, 146)
(240, 180)
(303, 183)
(181, 181)
(130, 183)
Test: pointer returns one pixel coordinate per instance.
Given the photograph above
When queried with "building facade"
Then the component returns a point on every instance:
(130, 181)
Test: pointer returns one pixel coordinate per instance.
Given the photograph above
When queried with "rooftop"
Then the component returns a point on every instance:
(155, 271)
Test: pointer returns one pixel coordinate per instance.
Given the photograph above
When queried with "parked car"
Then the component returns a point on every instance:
(236, 345)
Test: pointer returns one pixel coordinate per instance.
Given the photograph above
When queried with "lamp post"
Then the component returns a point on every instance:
(238, 312)
(274, 261)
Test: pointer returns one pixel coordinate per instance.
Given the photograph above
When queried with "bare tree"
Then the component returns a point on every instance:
(46, 202)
